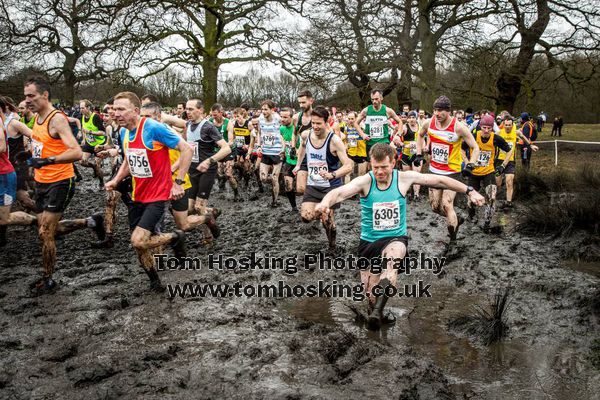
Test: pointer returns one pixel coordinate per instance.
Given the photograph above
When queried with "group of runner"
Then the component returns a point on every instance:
(162, 163)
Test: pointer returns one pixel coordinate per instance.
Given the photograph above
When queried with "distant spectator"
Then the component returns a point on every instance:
(560, 125)
(555, 124)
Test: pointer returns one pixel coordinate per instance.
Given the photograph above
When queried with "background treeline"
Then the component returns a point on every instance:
(534, 55)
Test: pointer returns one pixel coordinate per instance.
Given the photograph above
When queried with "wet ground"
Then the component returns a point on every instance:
(103, 335)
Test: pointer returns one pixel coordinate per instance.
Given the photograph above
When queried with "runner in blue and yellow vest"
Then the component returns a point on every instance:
(356, 146)
(94, 134)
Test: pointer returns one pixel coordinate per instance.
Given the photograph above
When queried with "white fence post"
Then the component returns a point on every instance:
(555, 153)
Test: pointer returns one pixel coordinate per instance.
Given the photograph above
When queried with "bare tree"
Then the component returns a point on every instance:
(73, 41)
(208, 34)
(529, 20)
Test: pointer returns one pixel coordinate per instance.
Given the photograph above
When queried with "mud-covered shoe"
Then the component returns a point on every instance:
(211, 223)
(107, 243)
(216, 212)
(43, 286)
(98, 227)
(178, 244)
(157, 286)
(453, 232)
(376, 317)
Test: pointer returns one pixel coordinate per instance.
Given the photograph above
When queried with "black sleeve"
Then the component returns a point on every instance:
(210, 132)
(98, 122)
(501, 143)
(464, 146)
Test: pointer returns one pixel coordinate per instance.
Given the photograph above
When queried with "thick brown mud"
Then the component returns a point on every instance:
(103, 335)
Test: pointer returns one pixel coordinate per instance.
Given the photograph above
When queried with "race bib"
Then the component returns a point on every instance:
(195, 156)
(352, 142)
(484, 158)
(376, 131)
(36, 148)
(440, 153)
(268, 140)
(139, 165)
(386, 215)
(412, 148)
(314, 170)
(240, 141)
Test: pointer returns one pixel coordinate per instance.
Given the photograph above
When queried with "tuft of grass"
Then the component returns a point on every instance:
(487, 324)
(559, 202)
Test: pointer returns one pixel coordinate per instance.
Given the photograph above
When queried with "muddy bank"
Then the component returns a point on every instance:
(103, 335)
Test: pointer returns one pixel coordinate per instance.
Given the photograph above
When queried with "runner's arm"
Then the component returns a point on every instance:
(392, 115)
(409, 178)
(470, 140)
(185, 158)
(173, 121)
(302, 150)
(224, 150)
(362, 115)
(420, 137)
(358, 185)
(60, 126)
(340, 150)
(2, 140)
(503, 145)
(16, 128)
(230, 133)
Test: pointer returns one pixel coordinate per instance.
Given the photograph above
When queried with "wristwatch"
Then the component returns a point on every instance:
(52, 159)
(469, 190)
(179, 181)
(212, 161)
(333, 174)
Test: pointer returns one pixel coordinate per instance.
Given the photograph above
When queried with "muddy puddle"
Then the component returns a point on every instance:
(104, 336)
(509, 369)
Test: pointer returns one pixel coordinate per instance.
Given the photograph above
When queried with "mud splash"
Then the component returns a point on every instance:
(102, 335)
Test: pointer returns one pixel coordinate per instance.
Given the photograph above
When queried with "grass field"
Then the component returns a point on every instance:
(578, 132)
(571, 156)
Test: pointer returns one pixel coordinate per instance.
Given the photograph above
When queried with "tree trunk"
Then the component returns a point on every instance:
(210, 61)
(509, 83)
(68, 97)
(428, 77)
(404, 88)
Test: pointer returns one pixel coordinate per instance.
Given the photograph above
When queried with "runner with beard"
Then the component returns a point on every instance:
(384, 233)
(225, 169)
(204, 138)
(446, 135)
(270, 142)
(302, 124)
(54, 149)
(510, 133)
(146, 143)
(377, 117)
(324, 152)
